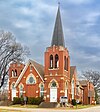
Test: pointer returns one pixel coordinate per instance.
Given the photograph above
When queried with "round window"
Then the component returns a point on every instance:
(31, 80)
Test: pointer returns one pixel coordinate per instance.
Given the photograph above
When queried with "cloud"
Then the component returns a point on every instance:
(22, 24)
(32, 22)
(92, 18)
(79, 2)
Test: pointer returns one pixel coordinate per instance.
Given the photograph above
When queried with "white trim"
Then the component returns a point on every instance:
(11, 84)
(21, 75)
(49, 85)
(40, 84)
(38, 73)
(30, 75)
(20, 85)
(24, 70)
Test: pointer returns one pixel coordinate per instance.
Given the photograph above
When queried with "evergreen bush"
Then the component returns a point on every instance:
(16, 100)
(30, 100)
(73, 102)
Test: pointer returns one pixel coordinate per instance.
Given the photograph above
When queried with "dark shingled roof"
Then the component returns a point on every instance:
(83, 82)
(39, 68)
(58, 38)
(72, 69)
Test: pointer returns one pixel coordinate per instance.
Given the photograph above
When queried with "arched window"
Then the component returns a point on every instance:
(12, 73)
(66, 89)
(51, 61)
(66, 85)
(15, 73)
(21, 90)
(31, 79)
(13, 84)
(30, 67)
(53, 84)
(13, 91)
(65, 63)
(41, 90)
(56, 61)
(72, 89)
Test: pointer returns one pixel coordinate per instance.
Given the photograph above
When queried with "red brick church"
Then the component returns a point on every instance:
(56, 78)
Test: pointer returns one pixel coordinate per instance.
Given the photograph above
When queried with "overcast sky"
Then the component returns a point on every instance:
(32, 23)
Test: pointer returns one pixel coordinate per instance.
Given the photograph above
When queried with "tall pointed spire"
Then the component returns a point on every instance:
(58, 37)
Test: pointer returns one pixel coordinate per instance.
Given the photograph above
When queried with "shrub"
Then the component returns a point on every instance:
(16, 100)
(34, 101)
(38, 100)
(73, 102)
(31, 100)
(22, 100)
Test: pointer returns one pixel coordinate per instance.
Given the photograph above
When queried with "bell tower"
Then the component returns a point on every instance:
(57, 65)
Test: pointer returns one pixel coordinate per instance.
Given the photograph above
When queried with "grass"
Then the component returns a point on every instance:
(35, 106)
(4, 110)
(68, 108)
(25, 106)
(77, 107)
(83, 106)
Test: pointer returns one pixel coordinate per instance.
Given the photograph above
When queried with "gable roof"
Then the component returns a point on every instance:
(83, 82)
(72, 70)
(58, 37)
(39, 69)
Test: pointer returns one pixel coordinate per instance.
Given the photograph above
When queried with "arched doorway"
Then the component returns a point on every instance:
(66, 89)
(53, 91)
(13, 91)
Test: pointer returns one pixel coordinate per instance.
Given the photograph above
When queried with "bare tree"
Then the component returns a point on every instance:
(94, 77)
(10, 51)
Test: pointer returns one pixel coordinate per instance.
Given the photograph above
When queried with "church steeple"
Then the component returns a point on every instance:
(58, 37)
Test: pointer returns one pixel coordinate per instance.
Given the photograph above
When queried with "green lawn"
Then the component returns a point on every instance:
(36, 106)
(77, 107)
(25, 106)
(83, 106)
(3, 110)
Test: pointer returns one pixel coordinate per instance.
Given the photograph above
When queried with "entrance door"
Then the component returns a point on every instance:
(53, 94)
(13, 93)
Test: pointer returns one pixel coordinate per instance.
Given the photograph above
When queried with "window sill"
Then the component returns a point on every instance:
(31, 84)
(66, 70)
(53, 68)
(14, 77)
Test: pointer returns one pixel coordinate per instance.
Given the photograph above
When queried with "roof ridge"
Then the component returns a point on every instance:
(36, 62)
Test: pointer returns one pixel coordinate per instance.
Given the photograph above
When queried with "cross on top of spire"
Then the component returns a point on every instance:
(58, 4)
